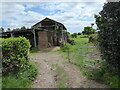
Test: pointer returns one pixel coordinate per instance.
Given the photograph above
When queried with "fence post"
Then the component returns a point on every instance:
(68, 54)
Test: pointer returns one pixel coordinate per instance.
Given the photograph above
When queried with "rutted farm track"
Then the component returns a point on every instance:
(55, 70)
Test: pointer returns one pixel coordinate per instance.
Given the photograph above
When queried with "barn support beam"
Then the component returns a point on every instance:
(11, 34)
(34, 37)
(62, 37)
(65, 37)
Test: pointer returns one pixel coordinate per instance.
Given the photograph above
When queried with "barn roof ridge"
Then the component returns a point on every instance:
(33, 26)
(51, 20)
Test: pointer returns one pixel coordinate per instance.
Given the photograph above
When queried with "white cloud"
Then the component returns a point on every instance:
(16, 16)
(56, 0)
(71, 17)
(76, 25)
(11, 10)
(84, 10)
(75, 16)
(12, 24)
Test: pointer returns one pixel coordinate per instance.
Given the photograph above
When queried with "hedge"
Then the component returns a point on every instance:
(14, 54)
(108, 23)
(94, 39)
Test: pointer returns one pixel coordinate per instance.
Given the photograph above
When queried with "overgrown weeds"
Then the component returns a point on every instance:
(105, 75)
(65, 48)
(34, 50)
(22, 79)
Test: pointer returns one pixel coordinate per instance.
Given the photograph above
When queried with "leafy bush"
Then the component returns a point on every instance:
(0, 52)
(65, 48)
(88, 30)
(72, 42)
(79, 33)
(93, 38)
(108, 23)
(22, 79)
(105, 74)
(84, 36)
(18, 72)
(74, 35)
(30, 73)
(15, 53)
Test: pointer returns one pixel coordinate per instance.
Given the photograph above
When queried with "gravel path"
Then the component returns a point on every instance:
(47, 78)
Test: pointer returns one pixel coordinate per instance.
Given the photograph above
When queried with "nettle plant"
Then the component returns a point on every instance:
(108, 23)
(15, 53)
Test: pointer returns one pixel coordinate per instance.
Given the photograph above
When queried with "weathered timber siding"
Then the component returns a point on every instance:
(50, 39)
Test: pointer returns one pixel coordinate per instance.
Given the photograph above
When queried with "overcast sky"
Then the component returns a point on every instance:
(74, 15)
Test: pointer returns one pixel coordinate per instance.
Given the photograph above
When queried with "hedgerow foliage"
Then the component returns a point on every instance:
(88, 30)
(15, 54)
(108, 23)
(93, 38)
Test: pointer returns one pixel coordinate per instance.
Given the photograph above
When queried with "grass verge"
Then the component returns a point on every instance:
(22, 79)
(34, 50)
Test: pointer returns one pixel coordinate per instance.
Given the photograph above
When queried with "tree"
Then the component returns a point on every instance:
(88, 30)
(92, 24)
(23, 28)
(83, 32)
(68, 34)
(8, 29)
(1, 29)
(74, 35)
(108, 23)
(79, 33)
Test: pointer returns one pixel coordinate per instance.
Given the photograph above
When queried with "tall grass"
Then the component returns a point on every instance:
(34, 50)
(22, 79)
(11, 81)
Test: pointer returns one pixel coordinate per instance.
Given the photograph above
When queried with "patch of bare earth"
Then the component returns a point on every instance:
(47, 77)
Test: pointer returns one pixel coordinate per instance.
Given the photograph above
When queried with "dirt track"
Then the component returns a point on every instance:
(48, 60)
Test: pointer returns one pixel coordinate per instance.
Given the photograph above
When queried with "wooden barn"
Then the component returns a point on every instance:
(43, 34)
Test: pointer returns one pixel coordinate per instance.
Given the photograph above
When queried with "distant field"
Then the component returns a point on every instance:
(76, 54)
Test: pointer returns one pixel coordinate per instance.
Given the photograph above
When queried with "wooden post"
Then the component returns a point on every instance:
(11, 34)
(62, 37)
(65, 37)
(34, 37)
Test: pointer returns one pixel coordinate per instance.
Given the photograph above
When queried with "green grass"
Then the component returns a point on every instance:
(79, 42)
(107, 75)
(62, 85)
(75, 55)
(11, 81)
(0, 82)
(104, 75)
(22, 79)
(61, 76)
(34, 50)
